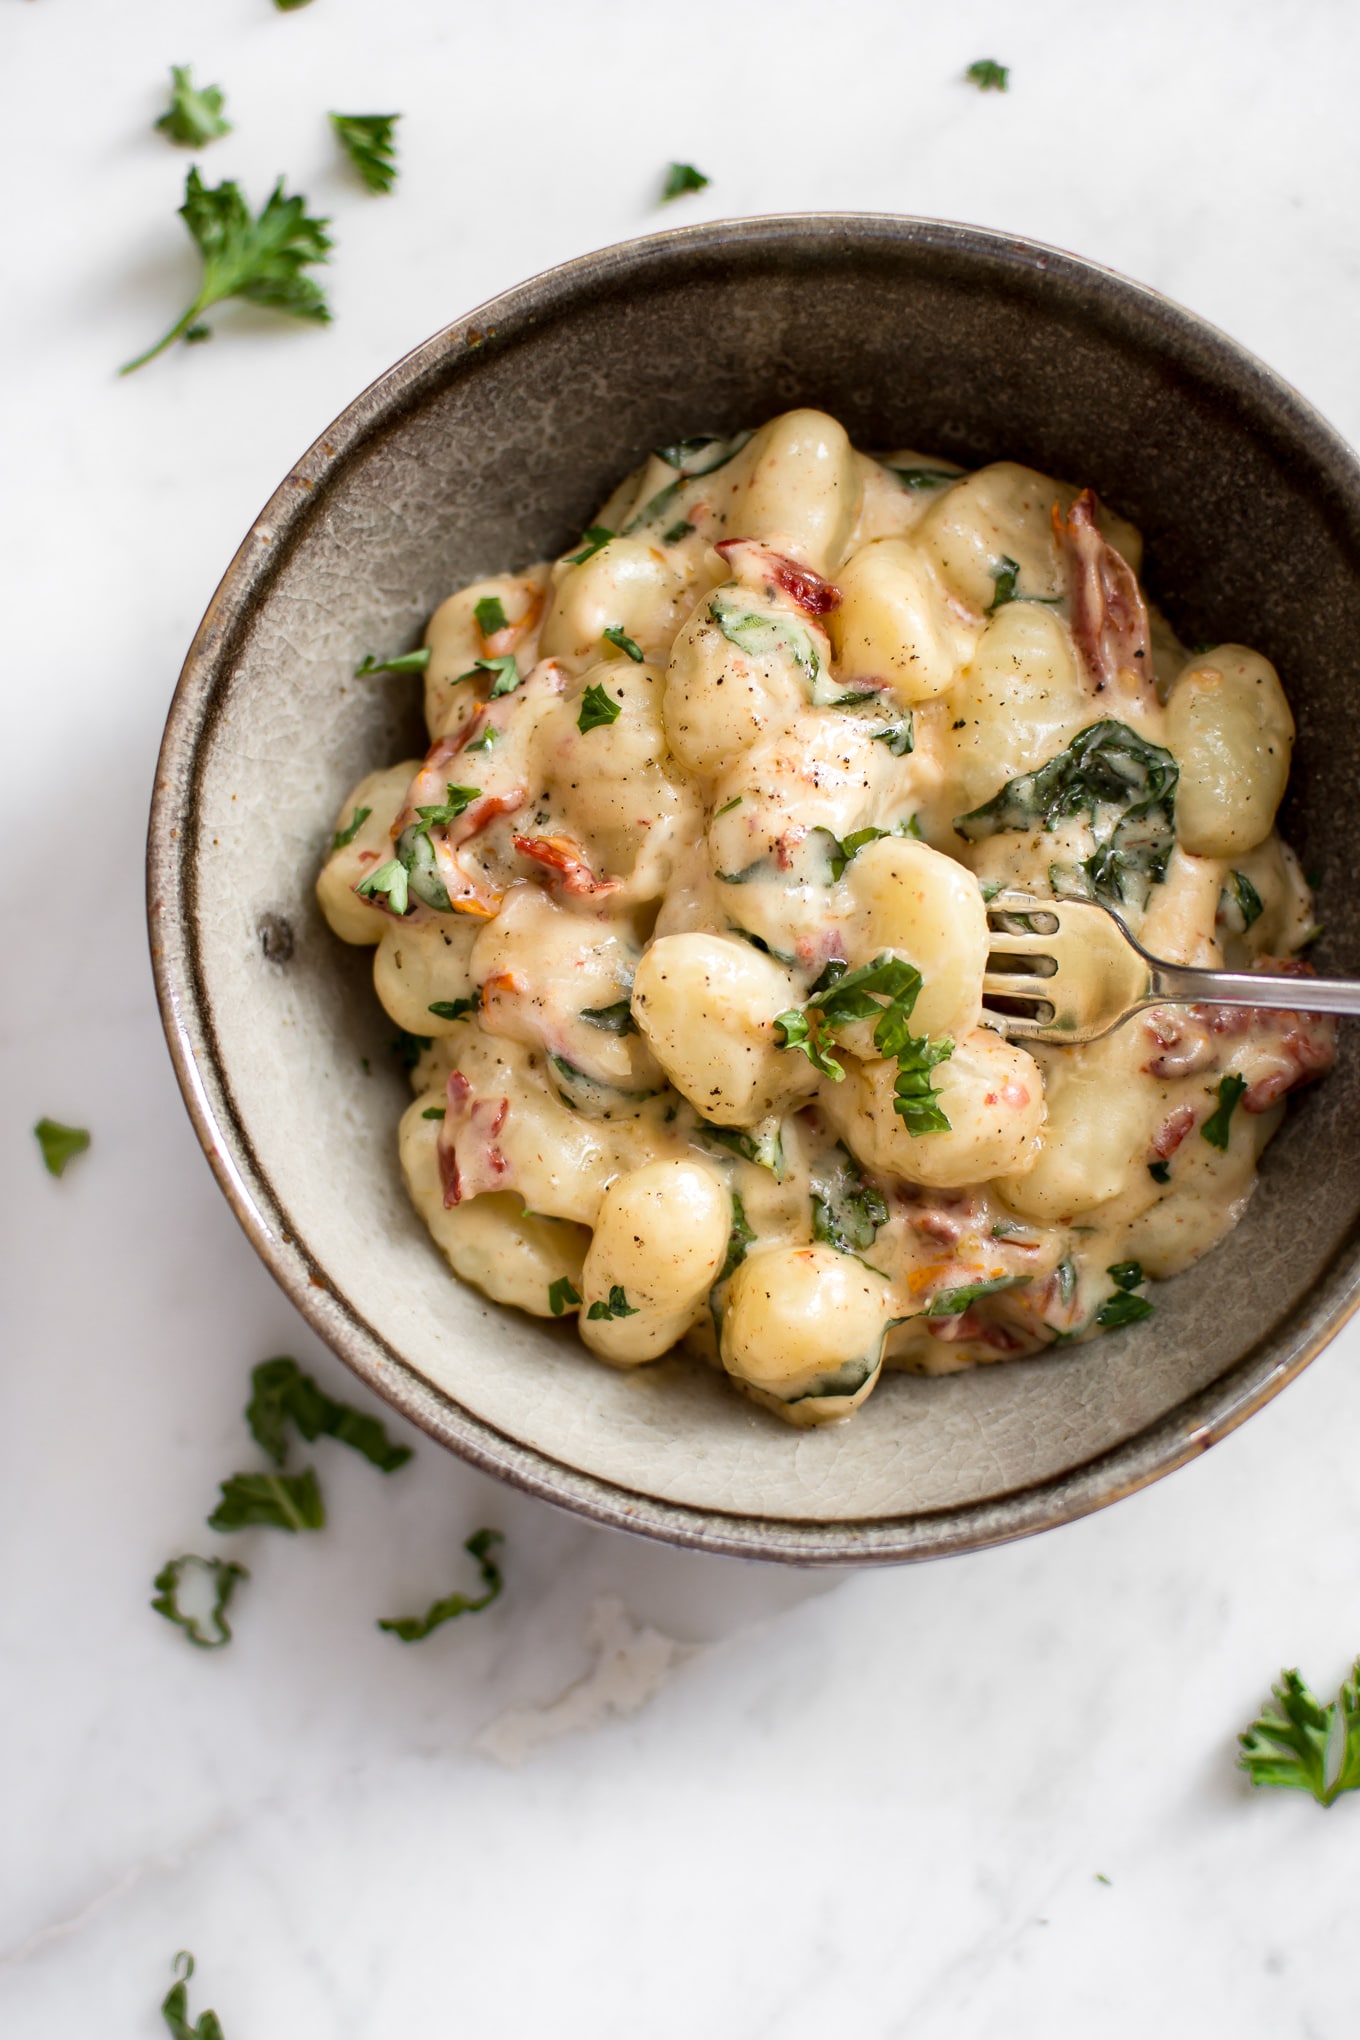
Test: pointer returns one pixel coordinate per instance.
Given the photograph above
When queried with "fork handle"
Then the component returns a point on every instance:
(1177, 984)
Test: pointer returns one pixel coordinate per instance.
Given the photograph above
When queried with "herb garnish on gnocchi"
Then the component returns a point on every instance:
(685, 914)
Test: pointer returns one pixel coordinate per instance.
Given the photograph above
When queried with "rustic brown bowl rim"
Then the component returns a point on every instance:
(1179, 1436)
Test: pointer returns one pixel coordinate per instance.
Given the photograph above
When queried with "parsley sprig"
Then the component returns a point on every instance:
(60, 1144)
(193, 117)
(885, 991)
(175, 2003)
(368, 139)
(257, 257)
(1306, 1747)
(415, 1628)
(224, 1573)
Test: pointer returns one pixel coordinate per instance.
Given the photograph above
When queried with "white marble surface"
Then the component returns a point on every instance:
(873, 1804)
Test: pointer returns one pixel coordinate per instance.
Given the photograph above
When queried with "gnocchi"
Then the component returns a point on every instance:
(684, 917)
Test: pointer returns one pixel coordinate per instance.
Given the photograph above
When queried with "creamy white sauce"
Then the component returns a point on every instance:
(684, 782)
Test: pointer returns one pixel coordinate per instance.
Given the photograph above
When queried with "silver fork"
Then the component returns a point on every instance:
(1075, 973)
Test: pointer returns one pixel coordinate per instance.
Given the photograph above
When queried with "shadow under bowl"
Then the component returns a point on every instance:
(490, 446)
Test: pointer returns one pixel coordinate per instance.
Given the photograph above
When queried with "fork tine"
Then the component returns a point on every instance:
(1022, 942)
(1015, 984)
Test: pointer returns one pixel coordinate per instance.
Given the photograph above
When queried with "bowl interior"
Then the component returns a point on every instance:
(490, 447)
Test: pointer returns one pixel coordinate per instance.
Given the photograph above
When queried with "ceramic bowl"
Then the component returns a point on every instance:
(490, 446)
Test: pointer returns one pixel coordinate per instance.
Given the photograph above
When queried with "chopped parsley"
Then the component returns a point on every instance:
(491, 616)
(404, 662)
(676, 532)
(1127, 1275)
(561, 1293)
(596, 537)
(224, 1574)
(505, 672)
(1160, 1172)
(954, 1302)
(259, 258)
(1127, 788)
(847, 1210)
(281, 1394)
(728, 806)
(598, 710)
(60, 1144)
(456, 801)
(415, 1628)
(409, 1048)
(486, 739)
(175, 2003)
(840, 997)
(277, 1501)
(738, 1240)
(616, 635)
(1306, 1747)
(615, 1019)
(369, 140)
(454, 1009)
(617, 1306)
(393, 880)
(1216, 1128)
(193, 117)
(434, 1112)
(1123, 1309)
(343, 837)
(680, 178)
(988, 75)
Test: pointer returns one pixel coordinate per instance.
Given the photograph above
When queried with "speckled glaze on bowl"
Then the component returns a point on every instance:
(490, 446)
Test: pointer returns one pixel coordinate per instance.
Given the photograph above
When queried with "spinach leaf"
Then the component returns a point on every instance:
(954, 1302)
(738, 1240)
(1126, 786)
(1217, 1127)
(847, 1210)
(615, 1019)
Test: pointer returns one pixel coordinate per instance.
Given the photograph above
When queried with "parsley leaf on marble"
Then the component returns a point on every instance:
(346, 836)
(224, 1573)
(616, 635)
(561, 1294)
(1218, 1126)
(594, 539)
(257, 257)
(194, 116)
(617, 1306)
(598, 710)
(280, 1394)
(175, 2003)
(369, 140)
(1306, 1747)
(60, 1144)
(680, 178)
(988, 75)
(277, 1501)
(403, 662)
(415, 1628)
